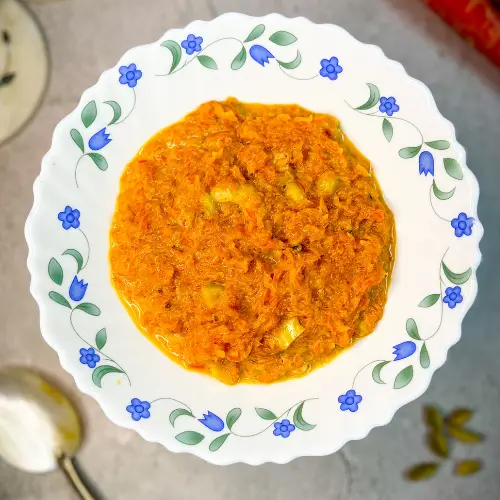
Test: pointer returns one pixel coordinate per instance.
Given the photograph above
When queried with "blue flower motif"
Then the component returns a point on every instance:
(350, 400)
(89, 357)
(426, 163)
(77, 289)
(69, 218)
(260, 54)
(388, 105)
(462, 225)
(192, 44)
(404, 350)
(453, 296)
(139, 409)
(212, 421)
(283, 428)
(99, 140)
(130, 75)
(330, 68)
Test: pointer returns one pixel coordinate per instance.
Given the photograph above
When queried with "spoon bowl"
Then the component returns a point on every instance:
(40, 429)
(38, 423)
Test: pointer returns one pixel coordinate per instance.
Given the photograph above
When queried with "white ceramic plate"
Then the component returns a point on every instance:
(391, 118)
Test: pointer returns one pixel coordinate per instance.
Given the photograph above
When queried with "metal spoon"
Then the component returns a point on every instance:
(39, 428)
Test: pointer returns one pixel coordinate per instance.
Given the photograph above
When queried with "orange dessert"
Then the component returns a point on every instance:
(252, 242)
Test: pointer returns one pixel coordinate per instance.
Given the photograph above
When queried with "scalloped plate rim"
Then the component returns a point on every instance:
(100, 397)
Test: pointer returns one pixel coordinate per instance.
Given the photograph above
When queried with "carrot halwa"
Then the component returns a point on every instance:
(252, 242)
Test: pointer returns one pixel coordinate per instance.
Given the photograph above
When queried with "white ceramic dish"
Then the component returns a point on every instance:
(391, 118)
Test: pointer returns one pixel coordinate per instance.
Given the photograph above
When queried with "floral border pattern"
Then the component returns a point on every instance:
(385, 108)
(447, 295)
(129, 76)
(93, 353)
(139, 409)
(192, 45)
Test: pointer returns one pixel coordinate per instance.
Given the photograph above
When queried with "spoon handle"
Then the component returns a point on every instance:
(68, 467)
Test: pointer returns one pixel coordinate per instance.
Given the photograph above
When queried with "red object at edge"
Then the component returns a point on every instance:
(478, 21)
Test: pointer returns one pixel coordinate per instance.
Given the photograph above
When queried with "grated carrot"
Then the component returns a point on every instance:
(252, 240)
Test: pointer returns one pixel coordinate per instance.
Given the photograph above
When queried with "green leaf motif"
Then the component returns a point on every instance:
(99, 160)
(55, 271)
(373, 99)
(387, 129)
(77, 139)
(292, 64)
(101, 338)
(89, 114)
(255, 33)
(412, 329)
(207, 61)
(409, 152)
(218, 442)
(442, 195)
(77, 256)
(376, 372)
(59, 299)
(457, 278)
(283, 38)
(424, 357)
(175, 50)
(404, 377)
(89, 309)
(100, 371)
(232, 417)
(453, 168)
(265, 414)
(239, 60)
(179, 412)
(190, 438)
(430, 300)
(441, 145)
(117, 111)
(299, 421)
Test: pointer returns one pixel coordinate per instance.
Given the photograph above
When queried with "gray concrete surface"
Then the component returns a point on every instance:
(88, 36)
